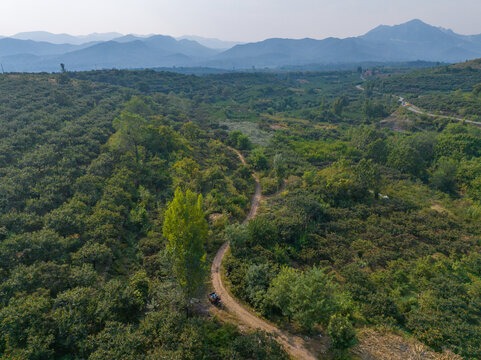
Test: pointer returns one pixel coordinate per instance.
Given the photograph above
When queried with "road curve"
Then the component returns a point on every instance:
(294, 345)
(417, 110)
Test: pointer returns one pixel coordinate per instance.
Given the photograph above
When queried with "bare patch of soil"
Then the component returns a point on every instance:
(278, 127)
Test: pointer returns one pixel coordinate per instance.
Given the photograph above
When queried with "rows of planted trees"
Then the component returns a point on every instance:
(450, 90)
(375, 228)
(92, 265)
(100, 173)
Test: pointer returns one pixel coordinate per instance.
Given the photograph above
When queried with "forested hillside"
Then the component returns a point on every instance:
(371, 217)
(87, 170)
(446, 90)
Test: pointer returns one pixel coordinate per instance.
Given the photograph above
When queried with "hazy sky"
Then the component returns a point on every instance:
(241, 20)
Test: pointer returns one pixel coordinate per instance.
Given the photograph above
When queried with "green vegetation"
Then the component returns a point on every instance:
(87, 171)
(117, 187)
(341, 332)
(185, 229)
(447, 90)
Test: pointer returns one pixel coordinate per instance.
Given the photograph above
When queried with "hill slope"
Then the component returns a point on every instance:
(65, 38)
(411, 41)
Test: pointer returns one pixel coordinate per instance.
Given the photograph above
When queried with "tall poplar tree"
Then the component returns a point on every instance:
(185, 229)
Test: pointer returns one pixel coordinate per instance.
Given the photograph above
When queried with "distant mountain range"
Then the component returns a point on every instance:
(211, 42)
(411, 41)
(65, 38)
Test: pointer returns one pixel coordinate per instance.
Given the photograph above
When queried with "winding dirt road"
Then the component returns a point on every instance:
(294, 345)
(419, 111)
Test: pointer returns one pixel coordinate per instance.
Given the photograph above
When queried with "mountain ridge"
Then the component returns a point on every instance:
(410, 41)
(64, 38)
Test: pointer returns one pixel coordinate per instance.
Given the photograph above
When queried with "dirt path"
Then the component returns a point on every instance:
(294, 345)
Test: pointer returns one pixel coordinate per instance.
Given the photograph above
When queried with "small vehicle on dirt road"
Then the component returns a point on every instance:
(215, 299)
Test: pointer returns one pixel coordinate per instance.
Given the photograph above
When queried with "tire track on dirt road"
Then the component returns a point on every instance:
(294, 345)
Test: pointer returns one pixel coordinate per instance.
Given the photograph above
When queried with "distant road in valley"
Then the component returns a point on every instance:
(419, 111)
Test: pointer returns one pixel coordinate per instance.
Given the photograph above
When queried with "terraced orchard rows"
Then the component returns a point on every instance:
(369, 216)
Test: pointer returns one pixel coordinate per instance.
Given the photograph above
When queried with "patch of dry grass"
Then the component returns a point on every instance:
(376, 345)
(397, 122)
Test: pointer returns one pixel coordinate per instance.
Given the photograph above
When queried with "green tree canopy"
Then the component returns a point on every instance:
(339, 104)
(341, 331)
(444, 177)
(185, 229)
(258, 159)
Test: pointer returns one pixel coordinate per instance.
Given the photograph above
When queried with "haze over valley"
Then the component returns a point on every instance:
(289, 181)
(411, 41)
